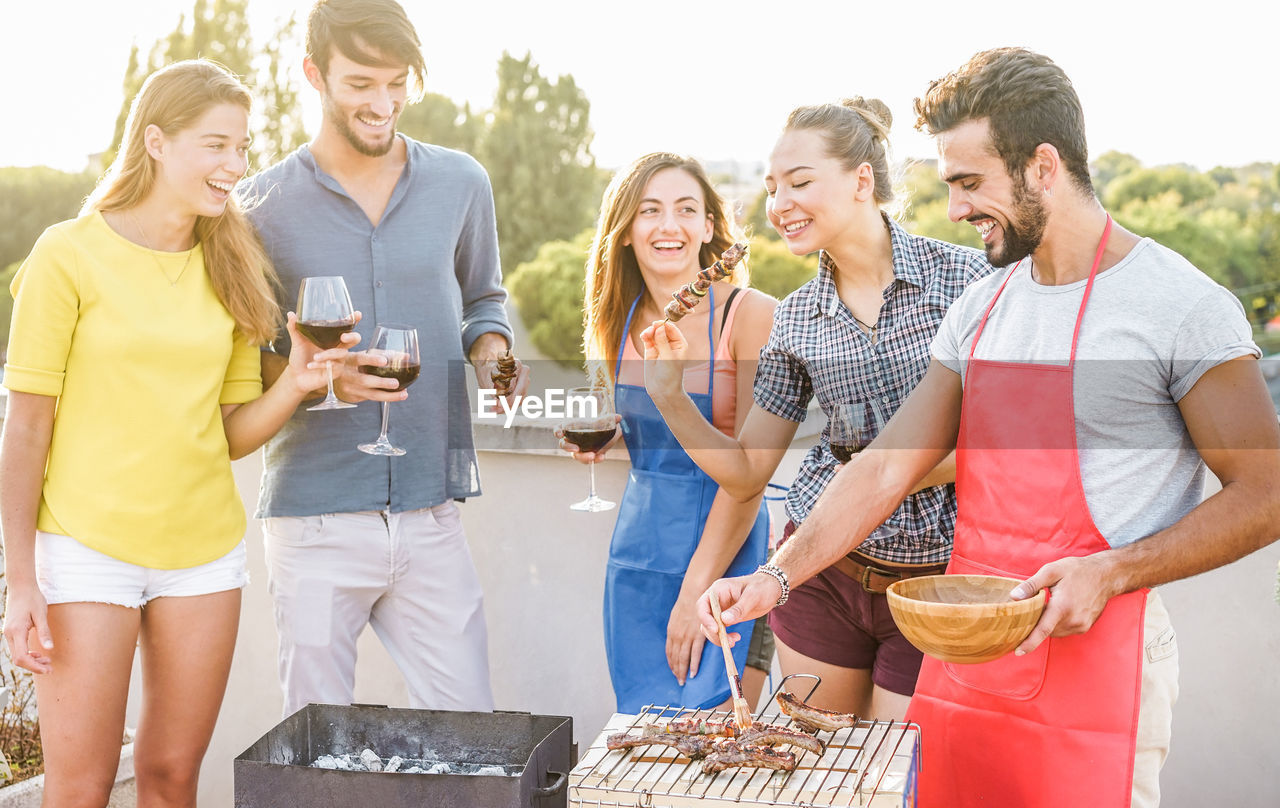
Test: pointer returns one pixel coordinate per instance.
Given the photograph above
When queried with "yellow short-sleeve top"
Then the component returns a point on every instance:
(138, 464)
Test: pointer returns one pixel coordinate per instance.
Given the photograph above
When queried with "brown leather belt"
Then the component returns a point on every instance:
(876, 575)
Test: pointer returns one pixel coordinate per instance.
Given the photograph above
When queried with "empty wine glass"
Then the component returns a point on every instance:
(324, 315)
(399, 344)
(590, 425)
(851, 428)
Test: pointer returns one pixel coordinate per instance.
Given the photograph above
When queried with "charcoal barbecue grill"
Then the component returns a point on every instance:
(871, 764)
(533, 752)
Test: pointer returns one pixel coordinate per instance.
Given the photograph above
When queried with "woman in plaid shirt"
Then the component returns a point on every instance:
(855, 337)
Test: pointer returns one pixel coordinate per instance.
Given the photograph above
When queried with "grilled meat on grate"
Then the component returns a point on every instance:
(730, 754)
(702, 726)
(812, 719)
(691, 746)
(770, 735)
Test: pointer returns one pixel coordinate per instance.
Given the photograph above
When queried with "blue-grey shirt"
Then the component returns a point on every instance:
(816, 349)
(432, 263)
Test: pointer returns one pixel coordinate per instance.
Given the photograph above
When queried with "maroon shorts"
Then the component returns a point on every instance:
(832, 619)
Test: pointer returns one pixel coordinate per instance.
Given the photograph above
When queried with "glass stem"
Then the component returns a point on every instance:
(328, 366)
(383, 437)
(592, 468)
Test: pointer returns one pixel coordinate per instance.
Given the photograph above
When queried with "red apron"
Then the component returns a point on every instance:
(1056, 727)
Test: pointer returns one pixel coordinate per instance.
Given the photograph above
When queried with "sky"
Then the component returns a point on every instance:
(717, 79)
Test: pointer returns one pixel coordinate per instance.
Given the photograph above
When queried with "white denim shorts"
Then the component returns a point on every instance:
(69, 572)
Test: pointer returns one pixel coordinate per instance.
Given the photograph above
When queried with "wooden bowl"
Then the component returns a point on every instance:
(963, 618)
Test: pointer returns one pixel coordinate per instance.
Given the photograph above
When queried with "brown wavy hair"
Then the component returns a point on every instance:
(1026, 99)
(173, 98)
(613, 274)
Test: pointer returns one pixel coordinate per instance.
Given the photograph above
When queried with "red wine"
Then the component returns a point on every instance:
(589, 440)
(844, 452)
(403, 373)
(325, 333)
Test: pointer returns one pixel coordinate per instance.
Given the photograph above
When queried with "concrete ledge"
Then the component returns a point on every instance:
(30, 793)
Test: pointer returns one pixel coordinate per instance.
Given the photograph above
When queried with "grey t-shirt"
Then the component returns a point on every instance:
(1153, 326)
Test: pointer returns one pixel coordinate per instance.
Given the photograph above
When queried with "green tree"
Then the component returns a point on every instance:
(1107, 166)
(925, 209)
(756, 221)
(31, 199)
(6, 305)
(219, 30)
(549, 292)
(1215, 240)
(437, 119)
(775, 270)
(278, 127)
(920, 183)
(537, 150)
(1149, 183)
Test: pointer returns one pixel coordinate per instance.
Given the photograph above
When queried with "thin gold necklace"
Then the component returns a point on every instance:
(147, 243)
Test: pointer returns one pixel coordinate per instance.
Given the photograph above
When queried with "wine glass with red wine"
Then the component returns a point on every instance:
(590, 425)
(399, 345)
(324, 315)
(852, 427)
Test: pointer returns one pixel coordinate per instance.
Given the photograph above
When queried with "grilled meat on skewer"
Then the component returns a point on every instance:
(686, 297)
(769, 735)
(505, 374)
(812, 719)
(730, 754)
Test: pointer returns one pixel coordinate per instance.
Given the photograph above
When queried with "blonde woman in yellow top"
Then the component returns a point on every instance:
(134, 381)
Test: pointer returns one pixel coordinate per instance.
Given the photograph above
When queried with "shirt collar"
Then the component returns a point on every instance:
(826, 299)
(309, 160)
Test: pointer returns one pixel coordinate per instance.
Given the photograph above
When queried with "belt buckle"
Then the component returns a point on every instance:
(866, 578)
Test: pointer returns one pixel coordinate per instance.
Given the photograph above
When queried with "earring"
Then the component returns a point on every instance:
(1048, 191)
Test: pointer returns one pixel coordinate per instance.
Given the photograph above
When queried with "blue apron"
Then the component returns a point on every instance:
(660, 522)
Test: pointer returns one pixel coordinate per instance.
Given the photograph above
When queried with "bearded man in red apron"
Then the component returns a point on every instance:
(1085, 389)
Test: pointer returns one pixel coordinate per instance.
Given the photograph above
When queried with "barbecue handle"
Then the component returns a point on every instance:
(554, 788)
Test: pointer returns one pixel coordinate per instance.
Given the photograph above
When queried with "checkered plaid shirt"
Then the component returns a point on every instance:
(817, 349)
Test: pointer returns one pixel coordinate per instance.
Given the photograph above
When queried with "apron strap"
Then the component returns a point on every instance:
(982, 323)
(626, 335)
(1088, 290)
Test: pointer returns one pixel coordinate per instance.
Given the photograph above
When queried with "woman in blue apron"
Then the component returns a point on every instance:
(660, 223)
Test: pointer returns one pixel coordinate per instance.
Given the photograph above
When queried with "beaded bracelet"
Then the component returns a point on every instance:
(781, 577)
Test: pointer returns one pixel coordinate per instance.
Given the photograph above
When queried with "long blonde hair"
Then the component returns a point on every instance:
(173, 98)
(613, 274)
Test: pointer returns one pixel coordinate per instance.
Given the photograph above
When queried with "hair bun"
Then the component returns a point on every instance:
(874, 111)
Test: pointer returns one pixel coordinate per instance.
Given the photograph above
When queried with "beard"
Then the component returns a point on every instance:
(335, 116)
(1024, 230)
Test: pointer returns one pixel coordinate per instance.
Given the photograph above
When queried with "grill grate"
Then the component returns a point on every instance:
(871, 764)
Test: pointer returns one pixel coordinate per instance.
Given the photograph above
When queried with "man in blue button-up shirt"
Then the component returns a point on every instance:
(353, 538)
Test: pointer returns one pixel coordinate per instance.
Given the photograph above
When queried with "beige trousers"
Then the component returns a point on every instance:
(408, 575)
(1155, 712)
